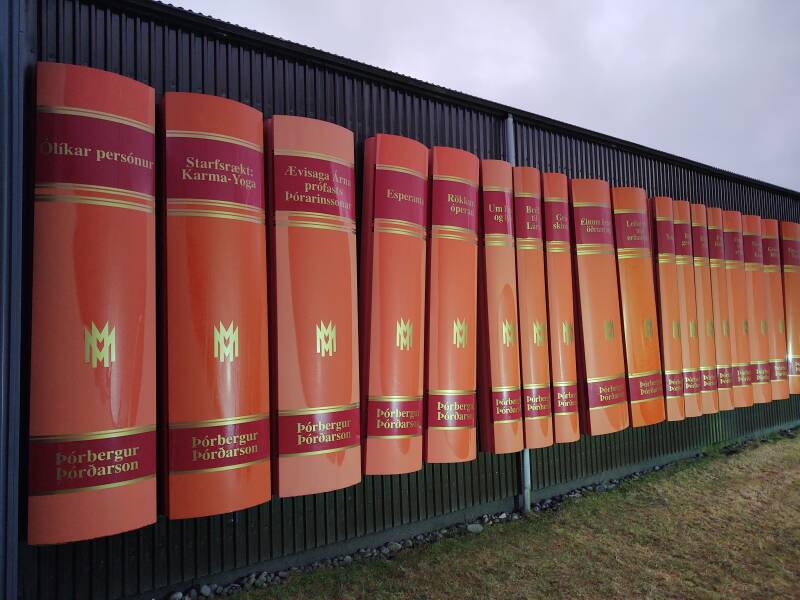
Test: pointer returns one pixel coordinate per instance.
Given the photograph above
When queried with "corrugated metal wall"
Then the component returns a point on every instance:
(171, 50)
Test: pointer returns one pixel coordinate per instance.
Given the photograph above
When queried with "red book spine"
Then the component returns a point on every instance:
(92, 445)
(533, 334)
(393, 248)
(500, 396)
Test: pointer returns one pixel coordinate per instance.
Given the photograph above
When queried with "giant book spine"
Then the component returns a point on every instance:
(719, 295)
(450, 379)
(92, 445)
(709, 398)
(669, 308)
(314, 332)
(776, 321)
(639, 312)
(561, 307)
(737, 308)
(533, 334)
(790, 258)
(215, 282)
(755, 285)
(690, 345)
(499, 393)
(393, 248)
(606, 406)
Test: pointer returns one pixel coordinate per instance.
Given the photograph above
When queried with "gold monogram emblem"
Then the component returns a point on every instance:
(710, 328)
(226, 342)
(460, 331)
(763, 327)
(726, 328)
(93, 340)
(326, 339)
(781, 326)
(608, 330)
(746, 327)
(647, 328)
(567, 332)
(538, 333)
(676, 330)
(692, 329)
(405, 333)
(508, 333)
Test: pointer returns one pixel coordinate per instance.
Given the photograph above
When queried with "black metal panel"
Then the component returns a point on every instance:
(174, 50)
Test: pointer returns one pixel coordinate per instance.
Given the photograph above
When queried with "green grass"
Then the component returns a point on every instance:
(724, 526)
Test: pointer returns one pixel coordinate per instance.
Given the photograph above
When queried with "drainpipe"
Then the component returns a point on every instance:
(524, 500)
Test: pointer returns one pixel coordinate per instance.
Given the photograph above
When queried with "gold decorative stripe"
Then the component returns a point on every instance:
(566, 414)
(605, 378)
(777, 361)
(564, 383)
(505, 388)
(723, 366)
(680, 222)
(394, 398)
(537, 418)
(316, 452)
(740, 364)
(714, 227)
(453, 228)
(96, 114)
(648, 400)
(452, 427)
(644, 373)
(589, 252)
(412, 224)
(317, 410)
(451, 392)
(664, 219)
(223, 203)
(503, 421)
(312, 225)
(701, 261)
(96, 188)
(219, 422)
(215, 214)
(673, 372)
(558, 250)
(525, 195)
(682, 259)
(395, 437)
(759, 363)
(717, 263)
(317, 215)
(498, 243)
(217, 469)
(731, 265)
(398, 231)
(608, 405)
(92, 435)
(790, 238)
(727, 230)
(753, 267)
(588, 204)
(317, 155)
(625, 253)
(536, 386)
(93, 201)
(102, 486)
(445, 236)
(772, 268)
(555, 199)
(454, 179)
(630, 211)
(791, 269)
(529, 244)
(590, 246)
(215, 137)
(666, 259)
(496, 188)
(690, 370)
(399, 169)
(711, 368)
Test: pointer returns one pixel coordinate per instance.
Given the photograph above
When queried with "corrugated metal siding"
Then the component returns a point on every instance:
(171, 50)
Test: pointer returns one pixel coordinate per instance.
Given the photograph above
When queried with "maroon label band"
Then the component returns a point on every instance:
(218, 447)
(790, 252)
(708, 380)
(645, 387)
(674, 384)
(761, 373)
(778, 370)
(692, 382)
(498, 212)
(319, 432)
(724, 377)
(665, 237)
(733, 245)
(527, 217)
(314, 185)
(593, 225)
(507, 405)
(537, 402)
(683, 239)
(632, 230)
(455, 411)
(454, 204)
(72, 465)
(607, 393)
(95, 153)
(771, 251)
(716, 244)
(392, 418)
(753, 248)
(556, 219)
(742, 375)
(793, 365)
(565, 398)
(401, 196)
(700, 241)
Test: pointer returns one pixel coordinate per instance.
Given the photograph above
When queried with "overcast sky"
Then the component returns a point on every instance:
(717, 81)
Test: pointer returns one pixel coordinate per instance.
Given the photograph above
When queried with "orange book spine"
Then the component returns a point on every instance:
(669, 316)
(690, 344)
(393, 248)
(215, 277)
(499, 384)
(560, 308)
(533, 334)
(709, 396)
(606, 407)
(737, 308)
(451, 351)
(639, 313)
(790, 258)
(719, 296)
(776, 321)
(92, 444)
(314, 335)
(755, 284)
